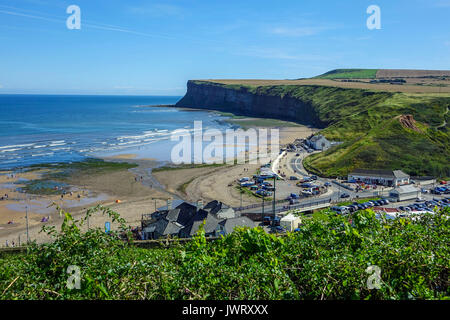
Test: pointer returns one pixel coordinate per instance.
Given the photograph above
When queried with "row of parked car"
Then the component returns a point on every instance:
(426, 205)
(441, 190)
(355, 206)
(261, 187)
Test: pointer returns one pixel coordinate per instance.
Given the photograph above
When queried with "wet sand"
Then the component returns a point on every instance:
(124, 191)
(131, 192)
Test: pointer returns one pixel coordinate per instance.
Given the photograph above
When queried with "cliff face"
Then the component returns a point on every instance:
(241, 101)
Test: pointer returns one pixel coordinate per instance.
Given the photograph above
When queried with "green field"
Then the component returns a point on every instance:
(349, 74)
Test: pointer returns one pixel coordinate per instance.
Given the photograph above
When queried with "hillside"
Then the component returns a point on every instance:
(383, 74)
(365, 120)
(349, 74)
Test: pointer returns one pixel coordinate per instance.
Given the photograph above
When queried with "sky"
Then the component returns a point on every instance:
(154, 47)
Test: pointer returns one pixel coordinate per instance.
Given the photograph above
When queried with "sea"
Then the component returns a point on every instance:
(36, 129)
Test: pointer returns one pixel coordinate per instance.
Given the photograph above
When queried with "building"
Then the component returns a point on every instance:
(220, 210)
(185, 220)
(422, 181)
(290, 222)
(202, 217)
(168, 222)
(391, 178)
(227, 226)
(318, 142)
(404, 193)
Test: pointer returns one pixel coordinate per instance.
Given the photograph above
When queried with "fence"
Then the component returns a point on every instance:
(290, 207)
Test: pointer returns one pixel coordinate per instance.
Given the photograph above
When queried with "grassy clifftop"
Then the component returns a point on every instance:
(370, 123)
(349, 74)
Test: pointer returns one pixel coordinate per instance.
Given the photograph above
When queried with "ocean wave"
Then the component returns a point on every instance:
(17, 145)
(43, 154)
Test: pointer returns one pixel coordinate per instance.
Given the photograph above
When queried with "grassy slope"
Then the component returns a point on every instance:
(382, 142)
(349, 74)
(364, 121)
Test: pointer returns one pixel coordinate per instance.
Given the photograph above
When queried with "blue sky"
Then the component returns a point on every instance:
(154, 47)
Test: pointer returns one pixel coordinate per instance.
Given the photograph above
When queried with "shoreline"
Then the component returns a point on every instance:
(129, 191)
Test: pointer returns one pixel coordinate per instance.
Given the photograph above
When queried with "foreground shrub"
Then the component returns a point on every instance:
(327, 259)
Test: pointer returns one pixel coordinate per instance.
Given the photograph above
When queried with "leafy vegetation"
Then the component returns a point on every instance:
(327, 259)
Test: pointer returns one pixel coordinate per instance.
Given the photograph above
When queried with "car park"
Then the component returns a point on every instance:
(340, 210)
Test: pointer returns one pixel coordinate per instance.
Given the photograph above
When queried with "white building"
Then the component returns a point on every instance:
(319, 142)
(290, 222)
(404, 193)
(391, 178)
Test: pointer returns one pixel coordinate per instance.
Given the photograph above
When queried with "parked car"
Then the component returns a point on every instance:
(293, 178)
(345, 195)
(361, 206)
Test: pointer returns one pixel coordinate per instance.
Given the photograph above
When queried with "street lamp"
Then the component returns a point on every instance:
(273, 200)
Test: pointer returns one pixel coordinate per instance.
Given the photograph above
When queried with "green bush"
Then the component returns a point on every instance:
(327, 259)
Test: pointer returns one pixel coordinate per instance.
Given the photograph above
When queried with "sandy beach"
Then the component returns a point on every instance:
(123, 191)
(214, 183)
(130, 192)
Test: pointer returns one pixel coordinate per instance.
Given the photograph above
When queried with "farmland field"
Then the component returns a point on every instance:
(426, 87)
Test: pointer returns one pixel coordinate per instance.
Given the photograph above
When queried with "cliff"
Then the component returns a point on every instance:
(368, 122)
(253, 102)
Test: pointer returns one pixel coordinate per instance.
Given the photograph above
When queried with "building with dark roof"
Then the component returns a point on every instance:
(185, 220)
(220, 210)
(202, 216)
(390, 178)
(227, 226)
